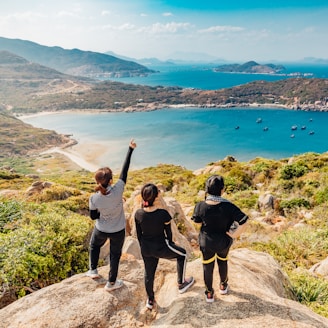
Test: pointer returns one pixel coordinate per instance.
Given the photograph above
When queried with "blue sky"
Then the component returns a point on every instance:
(231, 30)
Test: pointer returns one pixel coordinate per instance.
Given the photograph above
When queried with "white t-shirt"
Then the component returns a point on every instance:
(110, 207)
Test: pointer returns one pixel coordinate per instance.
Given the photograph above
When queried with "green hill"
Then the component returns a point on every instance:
(19, 139)
(74, 61)
(251, 67)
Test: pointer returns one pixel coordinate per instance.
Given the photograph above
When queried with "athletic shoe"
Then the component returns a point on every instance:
(209, 296)
(93, 274)
(224, 288)
(186, 284)
(112, 286)
(150, 304)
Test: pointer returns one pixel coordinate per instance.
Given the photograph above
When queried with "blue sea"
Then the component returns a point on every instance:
(193, 137)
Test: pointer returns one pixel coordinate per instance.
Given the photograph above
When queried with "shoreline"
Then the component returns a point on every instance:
(158, 106)
(86, 154)
(75, 157)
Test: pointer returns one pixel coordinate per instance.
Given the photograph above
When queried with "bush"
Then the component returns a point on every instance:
(10, 211)
(292, 171)
(50, 247)
(311, 291)
(294, 203)
(321, 196)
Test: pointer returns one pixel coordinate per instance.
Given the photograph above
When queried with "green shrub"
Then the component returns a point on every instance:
(311, 291)
(294, 203)
(51, 247)
(292, 171)
(10, 211)
(321, 196)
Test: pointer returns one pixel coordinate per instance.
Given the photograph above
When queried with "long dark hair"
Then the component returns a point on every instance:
(103, 177)
(149, 192)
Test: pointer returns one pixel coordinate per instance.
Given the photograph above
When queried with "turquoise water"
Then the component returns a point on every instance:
(193, 137)
(203, 77)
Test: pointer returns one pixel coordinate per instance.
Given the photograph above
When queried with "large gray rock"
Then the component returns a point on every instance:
(320, 269)
(257, 298)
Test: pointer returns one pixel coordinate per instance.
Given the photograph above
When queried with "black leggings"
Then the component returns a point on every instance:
(98, 239)
(150, 258)
(209, 258)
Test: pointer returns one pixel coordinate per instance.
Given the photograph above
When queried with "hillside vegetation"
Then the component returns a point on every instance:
(20, 139)
(44, 236)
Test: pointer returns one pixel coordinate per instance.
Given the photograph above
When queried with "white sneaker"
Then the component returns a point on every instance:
(109, 287)
(93, 274)
(224, 289)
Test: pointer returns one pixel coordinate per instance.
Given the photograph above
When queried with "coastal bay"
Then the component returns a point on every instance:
(190, 137)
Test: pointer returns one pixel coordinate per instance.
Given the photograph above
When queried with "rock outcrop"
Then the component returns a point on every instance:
(258, 297)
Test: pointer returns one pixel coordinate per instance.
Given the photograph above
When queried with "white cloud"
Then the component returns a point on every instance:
(123, 27)
(64, 13)
(222, 29)
(166, 28)
(167, 14)
(105, 13)
(28, 15)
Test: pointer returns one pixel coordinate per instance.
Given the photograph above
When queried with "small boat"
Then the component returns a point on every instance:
(292, 135)
(311, 132)
(303, 127)
(259, 120)
(237, 127)
(265, 128)
(310, 120)
(294, 127)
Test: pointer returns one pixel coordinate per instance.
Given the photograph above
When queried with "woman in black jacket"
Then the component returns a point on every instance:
(216, 216)
(153, 226)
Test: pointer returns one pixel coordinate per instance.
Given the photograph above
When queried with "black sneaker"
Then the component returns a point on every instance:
(186, 284)
(209, 296)
(150, 304)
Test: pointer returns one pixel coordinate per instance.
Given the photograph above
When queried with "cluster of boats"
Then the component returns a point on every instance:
(293, 127)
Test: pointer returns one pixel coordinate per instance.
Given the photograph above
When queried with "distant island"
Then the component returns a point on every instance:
(250, 67)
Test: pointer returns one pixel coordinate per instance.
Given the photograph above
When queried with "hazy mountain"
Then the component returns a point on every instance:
(181, 57)
(75, 61)
(313, 60)
(13, 66)
(142, 61)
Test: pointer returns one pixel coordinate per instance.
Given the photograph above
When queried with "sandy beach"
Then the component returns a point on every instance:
(75, 157)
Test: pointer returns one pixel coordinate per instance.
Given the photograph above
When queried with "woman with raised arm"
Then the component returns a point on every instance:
(106, 207)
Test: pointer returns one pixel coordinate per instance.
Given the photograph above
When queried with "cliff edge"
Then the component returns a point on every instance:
(258, 297)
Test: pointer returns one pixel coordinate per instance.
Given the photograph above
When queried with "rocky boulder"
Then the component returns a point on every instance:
(258, 297)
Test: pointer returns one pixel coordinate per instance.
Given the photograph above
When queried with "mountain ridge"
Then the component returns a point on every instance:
(74, 61)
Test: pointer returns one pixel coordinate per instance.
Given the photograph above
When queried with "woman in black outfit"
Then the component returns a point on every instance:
(216, 215)
(153, 226)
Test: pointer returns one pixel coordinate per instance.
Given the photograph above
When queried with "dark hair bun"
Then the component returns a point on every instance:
(214, 185)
